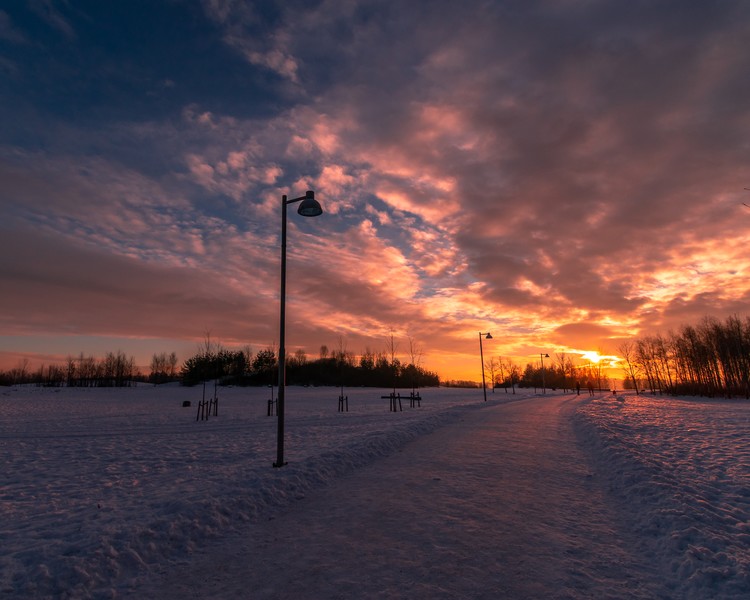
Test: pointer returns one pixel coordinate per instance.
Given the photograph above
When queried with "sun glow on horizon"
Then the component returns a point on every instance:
(592, 356)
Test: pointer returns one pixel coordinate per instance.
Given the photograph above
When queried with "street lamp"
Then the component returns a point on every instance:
(487, 336)
(544, 387)
(309, 208)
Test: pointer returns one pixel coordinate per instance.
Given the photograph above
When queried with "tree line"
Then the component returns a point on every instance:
(709, 359)
(115, 369)
(337, 367)
(557, 372)
(332, 368)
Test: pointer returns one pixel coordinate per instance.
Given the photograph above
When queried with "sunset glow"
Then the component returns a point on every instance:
(478, 171)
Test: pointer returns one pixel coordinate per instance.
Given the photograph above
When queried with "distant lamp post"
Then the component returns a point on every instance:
(544, 387)
(487, 336)
(309, 208)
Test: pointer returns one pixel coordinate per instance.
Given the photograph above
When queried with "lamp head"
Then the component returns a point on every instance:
(488, 336)
(310, 207)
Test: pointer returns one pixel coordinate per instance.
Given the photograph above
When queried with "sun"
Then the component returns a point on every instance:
(592, 356)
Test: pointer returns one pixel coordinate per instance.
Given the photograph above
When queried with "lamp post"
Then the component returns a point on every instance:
(544, 387)
(309, 208)
(487, 336)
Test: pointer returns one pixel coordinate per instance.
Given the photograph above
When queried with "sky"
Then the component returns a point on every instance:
(565, 174)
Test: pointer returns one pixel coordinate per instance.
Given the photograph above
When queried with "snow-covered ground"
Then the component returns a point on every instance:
(679, 470)
(115, 492)
(102, 484)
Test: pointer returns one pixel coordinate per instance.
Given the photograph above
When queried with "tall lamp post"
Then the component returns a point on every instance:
(309, 207)
(487, 336)
(544, 387)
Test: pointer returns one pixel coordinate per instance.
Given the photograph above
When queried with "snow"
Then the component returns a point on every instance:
(679, 470)
(122, 493)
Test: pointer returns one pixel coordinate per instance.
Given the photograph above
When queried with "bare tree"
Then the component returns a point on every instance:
(86, 370)
(158, 367)
(628, 352)
(20, 373)
(515, 373)
(343, 358)
(163, 367)
(562, 362)
(416, 352)
(299, 358)
(391, 346)
(70, 370)
(341, 354)
(172, 362)
(208, 347)
(248, 352)
(492, 366)
(502, 373)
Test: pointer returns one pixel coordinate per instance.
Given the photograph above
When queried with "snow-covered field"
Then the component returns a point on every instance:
(680, 471)
(100, 484)
(101, 488)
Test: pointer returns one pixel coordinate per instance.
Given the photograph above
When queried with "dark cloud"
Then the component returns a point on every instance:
(565, 172)
(56, 286)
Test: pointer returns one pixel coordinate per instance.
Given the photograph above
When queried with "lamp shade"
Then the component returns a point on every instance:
(488, 336)
(310, 207)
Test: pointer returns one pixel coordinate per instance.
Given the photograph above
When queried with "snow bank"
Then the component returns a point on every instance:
(680, 471)
(102, 485)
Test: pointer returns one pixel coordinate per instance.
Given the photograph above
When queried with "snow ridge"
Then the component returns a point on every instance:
(679, 471)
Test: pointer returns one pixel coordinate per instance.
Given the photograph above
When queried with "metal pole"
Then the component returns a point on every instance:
(544, 387)
(481, 356)
(282, 350)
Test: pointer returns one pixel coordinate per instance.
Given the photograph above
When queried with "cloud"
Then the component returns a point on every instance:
(9, 32)
(55, 18)
(241, 21)
(559, 173)
(583, 335)
(59, 287)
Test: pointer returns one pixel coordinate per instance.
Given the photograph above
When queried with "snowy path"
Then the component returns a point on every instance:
(500, 504)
